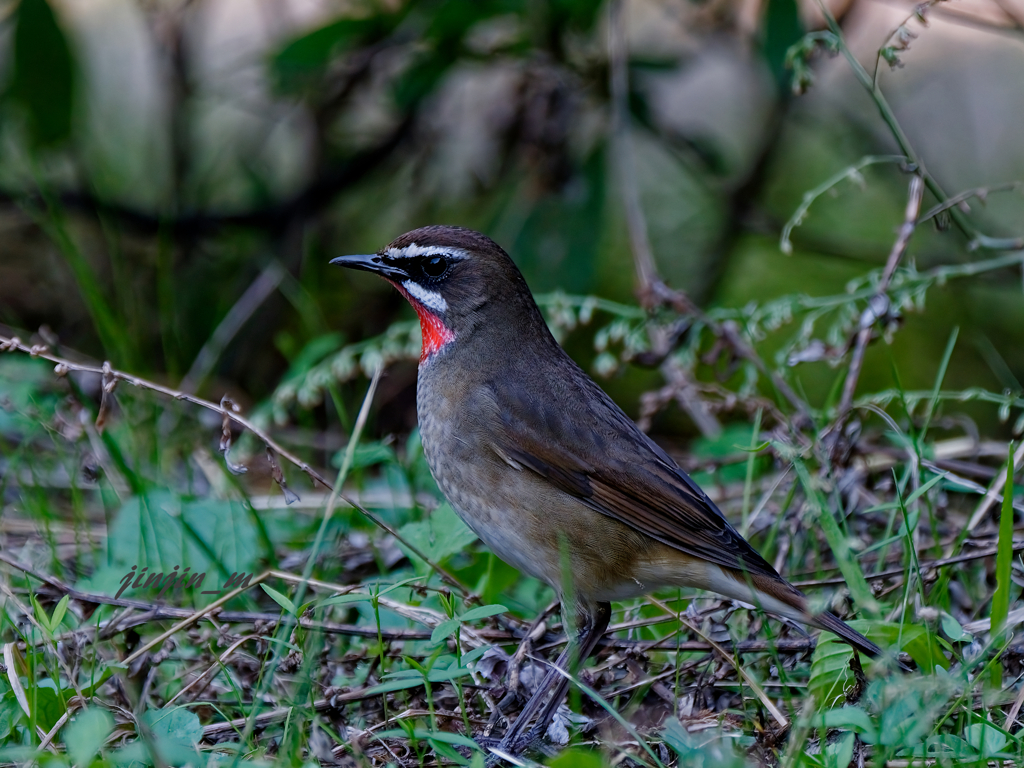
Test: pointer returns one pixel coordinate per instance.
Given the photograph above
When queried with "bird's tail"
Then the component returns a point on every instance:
(845, 632)
(782, 597)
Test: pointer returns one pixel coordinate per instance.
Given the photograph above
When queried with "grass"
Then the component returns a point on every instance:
(333, 642)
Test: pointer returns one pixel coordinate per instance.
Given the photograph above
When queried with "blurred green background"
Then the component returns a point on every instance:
(174, 176)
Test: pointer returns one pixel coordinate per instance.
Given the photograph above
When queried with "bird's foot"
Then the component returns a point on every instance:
(513, 745)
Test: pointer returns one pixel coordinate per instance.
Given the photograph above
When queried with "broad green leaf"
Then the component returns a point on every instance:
(907, 707)
(443, 630)
(449, 673)
(301, 61)
(227, 534)
(710, 748)
(830, 670)
(438, 537)
(177, 732)
(41, 617)
(782, 28)
(944, 745)
(476, 653)
(48, 709)
(86, 733)
(483, 612)
(839, 754)
(952, 627)
(985, 738)
(847, 717)
(158, 531)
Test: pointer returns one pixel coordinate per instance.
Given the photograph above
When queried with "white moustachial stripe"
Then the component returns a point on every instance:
(432, 300)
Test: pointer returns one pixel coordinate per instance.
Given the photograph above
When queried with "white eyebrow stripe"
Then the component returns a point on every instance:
(412, 251)
(432, 300)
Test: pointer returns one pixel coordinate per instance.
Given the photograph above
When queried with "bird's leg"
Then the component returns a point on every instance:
(590, 631)
(516, 691)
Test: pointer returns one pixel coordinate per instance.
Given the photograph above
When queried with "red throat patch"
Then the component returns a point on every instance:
(432, 328)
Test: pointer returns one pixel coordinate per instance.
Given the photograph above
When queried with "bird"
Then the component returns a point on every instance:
(546, 469)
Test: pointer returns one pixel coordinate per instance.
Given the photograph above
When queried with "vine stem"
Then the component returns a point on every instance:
(977, 239)
(878, 307)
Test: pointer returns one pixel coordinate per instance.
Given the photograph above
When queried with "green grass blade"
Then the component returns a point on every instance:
(1004, 559)
(938, 383)
(860, 591)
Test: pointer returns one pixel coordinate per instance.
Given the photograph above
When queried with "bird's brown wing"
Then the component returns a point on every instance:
(587, 447)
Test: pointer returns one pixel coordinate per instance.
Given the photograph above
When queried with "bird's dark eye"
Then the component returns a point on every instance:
(435, 266)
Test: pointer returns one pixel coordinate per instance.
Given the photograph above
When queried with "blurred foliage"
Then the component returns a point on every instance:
(175, 176)
(155, 182)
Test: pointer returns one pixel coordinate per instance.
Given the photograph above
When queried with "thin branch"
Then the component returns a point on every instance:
(651, 289)
(977, 239)
(160, 612)
(926, 565)
(274, 218)
(979, 192)
(112, 375)
(878, 307)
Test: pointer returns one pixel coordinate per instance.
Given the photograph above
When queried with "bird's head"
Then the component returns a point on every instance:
(456, 280)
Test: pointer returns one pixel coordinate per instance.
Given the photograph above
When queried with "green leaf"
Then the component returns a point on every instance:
(438, 537)
(177, 732)
(304, 59)
(702, 749)
(367, 455)
(952, 628)
(86, 733)
(43, 80)
(1004, 554)
(985, 738)
(944, 745)
(923, 490)
(58, 613)
(158, 530)
(395, 685)
(406, 673)
(848, 565)
(280, 599)
(48, 707)
(344, 600)
(839, 754)
(476, 653)
(830, 671)
(1004, 561)
(483, 612)
(41, 617)
(850, 718)
(421, 733)
(448, 673)
(443, 630)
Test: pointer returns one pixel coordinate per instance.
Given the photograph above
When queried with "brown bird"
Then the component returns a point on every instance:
(545, 468)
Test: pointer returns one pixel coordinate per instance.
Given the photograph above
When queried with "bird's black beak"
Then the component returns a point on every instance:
(379, 265)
